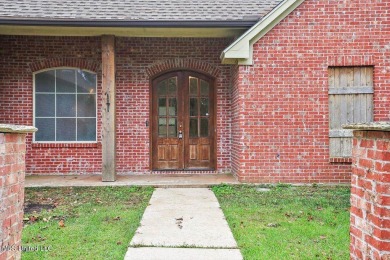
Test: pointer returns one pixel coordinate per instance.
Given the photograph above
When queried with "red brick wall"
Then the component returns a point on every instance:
(280, 103)
(283, 97)
(236, 133)
(12, 167)
(21, 56)
(137, 54)
(370, 195)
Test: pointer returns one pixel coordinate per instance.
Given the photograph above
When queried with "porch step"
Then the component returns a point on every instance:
(155, 180)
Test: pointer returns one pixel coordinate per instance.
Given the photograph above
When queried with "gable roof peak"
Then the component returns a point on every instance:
(241, 51)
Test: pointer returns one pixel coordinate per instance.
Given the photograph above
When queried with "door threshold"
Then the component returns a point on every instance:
(184, 170)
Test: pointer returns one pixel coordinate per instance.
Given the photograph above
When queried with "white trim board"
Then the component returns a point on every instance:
(241, 51)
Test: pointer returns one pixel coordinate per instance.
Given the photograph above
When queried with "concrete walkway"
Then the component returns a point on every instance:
(155, 180)
(183, 224)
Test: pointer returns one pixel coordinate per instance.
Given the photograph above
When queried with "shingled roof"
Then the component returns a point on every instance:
(136, 10)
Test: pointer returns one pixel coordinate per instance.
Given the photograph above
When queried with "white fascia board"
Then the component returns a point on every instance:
(241, 51)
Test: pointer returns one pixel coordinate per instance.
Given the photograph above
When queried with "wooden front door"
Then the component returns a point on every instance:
(183, 127)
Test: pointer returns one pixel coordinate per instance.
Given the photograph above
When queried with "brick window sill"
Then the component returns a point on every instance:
(66, 145)
(340, 160)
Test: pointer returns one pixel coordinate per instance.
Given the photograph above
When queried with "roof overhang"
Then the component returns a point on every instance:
(124, 28)
(241, 51)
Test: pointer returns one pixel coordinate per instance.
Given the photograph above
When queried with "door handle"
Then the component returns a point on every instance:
(180, 136)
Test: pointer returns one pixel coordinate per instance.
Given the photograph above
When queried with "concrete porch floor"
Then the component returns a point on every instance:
(160, 181)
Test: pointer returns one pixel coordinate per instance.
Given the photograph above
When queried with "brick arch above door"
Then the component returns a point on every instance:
(162, 67)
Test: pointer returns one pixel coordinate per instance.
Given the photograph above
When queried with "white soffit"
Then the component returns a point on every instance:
(119, 31)
(241, 51)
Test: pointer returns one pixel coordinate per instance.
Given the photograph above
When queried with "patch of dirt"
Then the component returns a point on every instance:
(179, 222)
(37, 208)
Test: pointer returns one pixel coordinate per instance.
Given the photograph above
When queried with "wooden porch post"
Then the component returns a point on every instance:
(108, 109)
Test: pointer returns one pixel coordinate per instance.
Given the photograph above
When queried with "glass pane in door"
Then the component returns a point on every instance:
(193, 107)
(172, 86)
(204, 88)
(172, 109)
(172, 127)
(193, 127)
(193, 86)
(162, 107)
(204, 106)
(162, 88)
(162, 127)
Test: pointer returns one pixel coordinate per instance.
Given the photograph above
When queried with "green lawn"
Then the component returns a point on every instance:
(98, 223)
(288, 222)
(86, 223)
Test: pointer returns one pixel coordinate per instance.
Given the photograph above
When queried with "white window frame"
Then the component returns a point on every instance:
(55, 107)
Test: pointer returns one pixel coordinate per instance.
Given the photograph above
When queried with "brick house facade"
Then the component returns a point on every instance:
(271, 104)
(280, 102)
(133, 72)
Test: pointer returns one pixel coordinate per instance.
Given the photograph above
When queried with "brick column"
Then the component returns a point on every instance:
(12, 170)
(370, 193)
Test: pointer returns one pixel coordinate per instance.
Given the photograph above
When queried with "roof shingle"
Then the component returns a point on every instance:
(137, 10)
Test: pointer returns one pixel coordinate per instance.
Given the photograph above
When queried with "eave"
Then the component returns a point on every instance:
(124, 28)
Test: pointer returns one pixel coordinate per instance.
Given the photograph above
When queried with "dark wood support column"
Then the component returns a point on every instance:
(108, 109)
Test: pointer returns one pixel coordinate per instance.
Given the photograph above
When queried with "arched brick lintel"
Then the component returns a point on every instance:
(65, 62)
(182, 64)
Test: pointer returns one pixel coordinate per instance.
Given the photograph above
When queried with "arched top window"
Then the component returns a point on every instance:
(65, 105)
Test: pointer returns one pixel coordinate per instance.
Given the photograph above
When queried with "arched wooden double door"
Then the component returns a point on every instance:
(183, 122)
